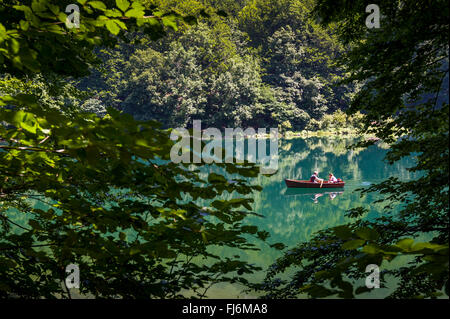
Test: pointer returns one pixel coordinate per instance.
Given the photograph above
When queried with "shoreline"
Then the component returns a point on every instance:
(304, 134)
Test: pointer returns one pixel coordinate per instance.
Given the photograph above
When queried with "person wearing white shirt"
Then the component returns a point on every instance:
(332, 178)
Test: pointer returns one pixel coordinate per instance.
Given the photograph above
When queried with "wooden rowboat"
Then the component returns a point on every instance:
(292, 183)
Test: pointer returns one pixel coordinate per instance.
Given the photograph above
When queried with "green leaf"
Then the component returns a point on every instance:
(134, 250)
(342, 232)
(26, 121)
(53, 8)
(14, 45)
(317, 291)
(367, 233)
(405, 244)
(353, 244)
(370, 249)
(112, 27)
(24, 25)
(3, 31)
(427, 245)
(170, 21)
(216, 178)
(122, 5)
(121, 24)
(38, 6)
(134, 13)
(347, 289)
(113, 13)
(97, 5)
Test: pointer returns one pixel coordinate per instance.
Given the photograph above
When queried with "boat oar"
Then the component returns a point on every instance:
(321, 183)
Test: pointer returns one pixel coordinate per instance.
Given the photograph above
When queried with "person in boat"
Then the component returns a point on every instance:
(332, 178)
(315, 178)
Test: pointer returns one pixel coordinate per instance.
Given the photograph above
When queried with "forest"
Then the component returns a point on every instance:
(85, 119)
(266, 64)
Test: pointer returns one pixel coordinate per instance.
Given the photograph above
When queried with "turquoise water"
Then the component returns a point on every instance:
(293, 216)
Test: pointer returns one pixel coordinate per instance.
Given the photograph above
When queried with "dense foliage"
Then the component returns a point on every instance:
(405, 93)
(99, 191)
(267, 65)
(84, 170)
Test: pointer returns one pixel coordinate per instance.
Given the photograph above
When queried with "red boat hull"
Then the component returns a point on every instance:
(292, 183)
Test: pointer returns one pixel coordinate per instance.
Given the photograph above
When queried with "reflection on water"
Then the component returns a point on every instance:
(313, 193)
(294, 215)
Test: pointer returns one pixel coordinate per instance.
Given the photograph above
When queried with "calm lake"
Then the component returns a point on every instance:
(292, 216)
